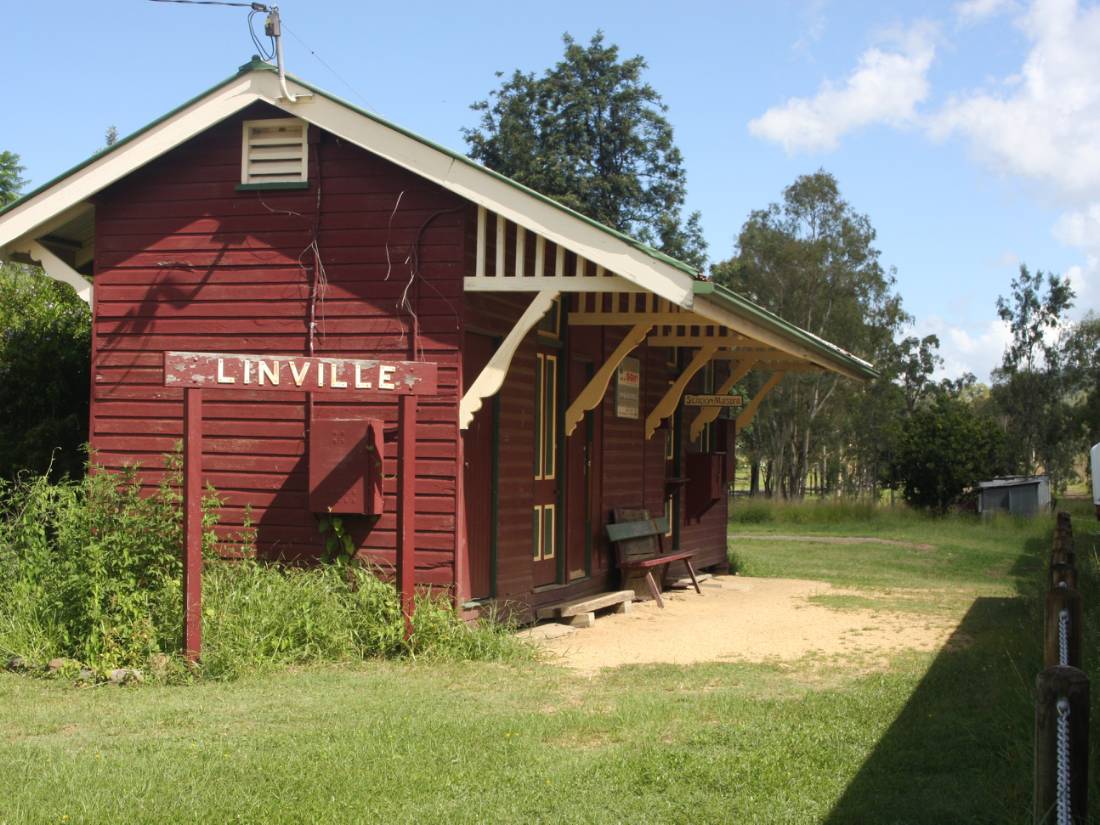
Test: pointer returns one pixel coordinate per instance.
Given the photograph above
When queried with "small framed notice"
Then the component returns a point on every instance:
(628, 385)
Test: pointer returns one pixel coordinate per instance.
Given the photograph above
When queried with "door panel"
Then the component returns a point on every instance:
(578, 492)
(478, 487)
(544, 521)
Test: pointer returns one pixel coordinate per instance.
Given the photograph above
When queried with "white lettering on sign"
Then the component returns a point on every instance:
(270, 371)
(337, 382)
(299, 377)
(347, 376)
(385, 374)
(360, 382)
(222, 377)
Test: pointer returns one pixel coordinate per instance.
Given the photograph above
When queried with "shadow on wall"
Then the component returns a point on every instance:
(960, 750)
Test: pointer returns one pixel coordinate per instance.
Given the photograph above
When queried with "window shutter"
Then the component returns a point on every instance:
(275, 151)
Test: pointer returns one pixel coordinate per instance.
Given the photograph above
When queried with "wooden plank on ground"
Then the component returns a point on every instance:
(587, 604)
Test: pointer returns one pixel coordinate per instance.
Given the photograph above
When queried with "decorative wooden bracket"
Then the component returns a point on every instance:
(667, 405)
(491, 378)
(708, 414)
(747, 414)
(56, 268)
(593, 392)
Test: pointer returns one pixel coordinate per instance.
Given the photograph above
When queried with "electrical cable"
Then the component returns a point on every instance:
(253, 6)
(324, 63)
(264, 53)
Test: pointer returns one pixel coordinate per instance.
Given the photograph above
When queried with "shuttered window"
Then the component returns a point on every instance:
(275, 151)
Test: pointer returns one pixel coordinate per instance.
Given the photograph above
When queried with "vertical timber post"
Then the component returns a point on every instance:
(1057, 600)
(192, 523)
(406, 508)
(1068, 687)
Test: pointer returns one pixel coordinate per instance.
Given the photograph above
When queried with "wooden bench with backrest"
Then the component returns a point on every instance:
(639, 545)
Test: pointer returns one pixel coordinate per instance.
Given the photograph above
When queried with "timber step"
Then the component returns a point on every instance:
(582, 612)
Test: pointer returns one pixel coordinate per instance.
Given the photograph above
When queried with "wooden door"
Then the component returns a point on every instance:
(479, 474)
(578, 486)
(544, 514)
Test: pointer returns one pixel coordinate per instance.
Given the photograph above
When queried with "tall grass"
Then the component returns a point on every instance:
(817, 511)
(90, 571)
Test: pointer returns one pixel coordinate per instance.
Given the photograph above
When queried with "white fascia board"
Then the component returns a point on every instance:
(720, 315)
(25, 221)
(484, 189)
(56, 268)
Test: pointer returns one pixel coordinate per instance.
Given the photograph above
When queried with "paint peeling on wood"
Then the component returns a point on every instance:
(372, 377)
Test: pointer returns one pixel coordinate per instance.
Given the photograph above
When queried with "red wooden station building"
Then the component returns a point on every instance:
(281, 221)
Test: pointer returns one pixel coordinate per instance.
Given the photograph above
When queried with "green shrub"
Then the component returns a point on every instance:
(45, 366)
(91, 570)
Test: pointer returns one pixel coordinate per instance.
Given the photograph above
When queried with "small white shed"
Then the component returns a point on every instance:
(1018, 495)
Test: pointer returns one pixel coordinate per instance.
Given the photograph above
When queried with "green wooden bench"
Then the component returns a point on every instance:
(639, 546)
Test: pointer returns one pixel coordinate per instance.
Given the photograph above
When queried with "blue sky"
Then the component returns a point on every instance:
(968, 131)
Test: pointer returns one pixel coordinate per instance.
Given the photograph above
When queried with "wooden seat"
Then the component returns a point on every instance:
(639, 545)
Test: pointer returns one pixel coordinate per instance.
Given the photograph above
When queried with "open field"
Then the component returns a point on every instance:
(941, 736)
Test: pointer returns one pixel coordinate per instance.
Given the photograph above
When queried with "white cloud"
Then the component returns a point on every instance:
(1043, 124)
(1081, 228)
(977, 350)
(885, 87)
(970, 12)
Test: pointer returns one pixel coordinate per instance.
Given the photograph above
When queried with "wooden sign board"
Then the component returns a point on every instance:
(628, 385)
(371, 379)
(337, 376)
(713, 401)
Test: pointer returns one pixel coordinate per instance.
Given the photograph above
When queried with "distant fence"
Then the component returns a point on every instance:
(1062, 694)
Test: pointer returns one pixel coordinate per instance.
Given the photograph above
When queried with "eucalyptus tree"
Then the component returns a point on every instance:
(1031, 389)
(812, 260)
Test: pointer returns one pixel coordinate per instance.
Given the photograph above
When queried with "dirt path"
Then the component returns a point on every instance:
(832, 540)
(743, 619)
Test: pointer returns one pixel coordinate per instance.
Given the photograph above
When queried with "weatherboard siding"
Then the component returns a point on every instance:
(628, 470)
(187, 262)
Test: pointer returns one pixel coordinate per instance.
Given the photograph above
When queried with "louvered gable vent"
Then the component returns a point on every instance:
(275, 151)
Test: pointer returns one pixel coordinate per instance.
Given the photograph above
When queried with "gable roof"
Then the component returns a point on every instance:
(53, 202)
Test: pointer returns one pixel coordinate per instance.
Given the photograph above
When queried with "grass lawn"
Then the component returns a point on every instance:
(941, 737)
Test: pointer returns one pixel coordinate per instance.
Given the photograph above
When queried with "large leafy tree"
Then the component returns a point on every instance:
(592, 134)
(45, 340)
(945, 449)
(1083, 363)
(1031, 389)
(812, 260)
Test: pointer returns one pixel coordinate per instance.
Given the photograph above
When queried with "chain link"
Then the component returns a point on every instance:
(1063, 637)
(1064, 810)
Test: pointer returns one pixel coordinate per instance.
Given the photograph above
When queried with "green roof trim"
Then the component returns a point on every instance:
(256, 64)
(461, 158)
(253, 65)
(715, 292)
(740, 305)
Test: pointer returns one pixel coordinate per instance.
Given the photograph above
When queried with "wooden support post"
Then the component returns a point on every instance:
(406, 509)
(1069, 686)
(1058, 599)
(192, 523)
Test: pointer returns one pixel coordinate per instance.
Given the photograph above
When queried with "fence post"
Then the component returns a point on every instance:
(1061, 690)
(1062, 572)
(1058, 599)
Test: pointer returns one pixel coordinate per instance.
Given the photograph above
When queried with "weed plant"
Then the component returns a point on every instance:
(90, 572)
